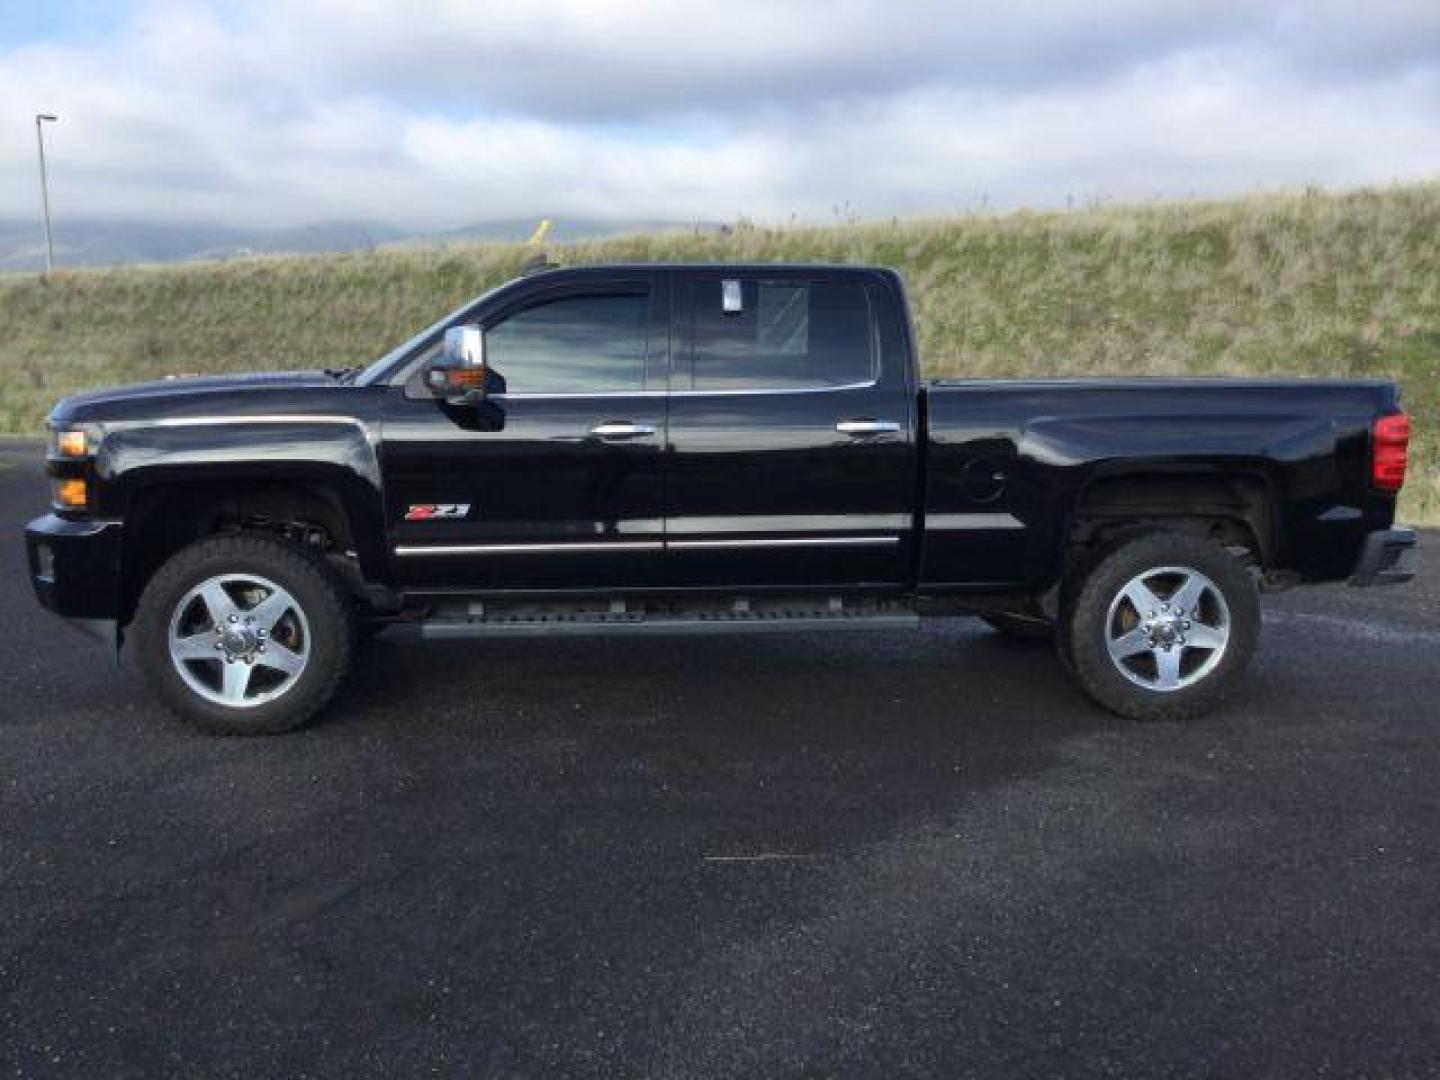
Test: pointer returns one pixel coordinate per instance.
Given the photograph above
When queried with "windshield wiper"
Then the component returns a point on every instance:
(344, 374)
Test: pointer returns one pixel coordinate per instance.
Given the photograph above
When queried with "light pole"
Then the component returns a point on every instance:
(40, 120)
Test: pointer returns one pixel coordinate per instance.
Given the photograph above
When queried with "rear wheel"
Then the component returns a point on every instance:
(1161, 627)
(244, 634)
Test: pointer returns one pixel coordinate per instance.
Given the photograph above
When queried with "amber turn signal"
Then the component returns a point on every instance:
(466, 378)
(71, 494)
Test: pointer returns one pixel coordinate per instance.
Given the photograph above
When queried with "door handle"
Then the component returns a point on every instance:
(618, 429)
(867, 427)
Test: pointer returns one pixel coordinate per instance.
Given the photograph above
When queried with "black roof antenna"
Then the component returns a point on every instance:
(538, 263)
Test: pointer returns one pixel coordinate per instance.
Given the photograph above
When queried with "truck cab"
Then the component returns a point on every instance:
(665, 428)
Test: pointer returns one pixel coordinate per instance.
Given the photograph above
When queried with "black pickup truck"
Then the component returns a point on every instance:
(681, 449)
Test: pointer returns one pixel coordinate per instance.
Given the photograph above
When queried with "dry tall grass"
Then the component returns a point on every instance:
(1304, 284)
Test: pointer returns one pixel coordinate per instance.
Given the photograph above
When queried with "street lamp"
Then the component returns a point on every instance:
(41, 119)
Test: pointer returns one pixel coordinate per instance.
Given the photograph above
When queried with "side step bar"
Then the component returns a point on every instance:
(694, 623)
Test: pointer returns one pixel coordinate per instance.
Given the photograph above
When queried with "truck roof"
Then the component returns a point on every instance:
(756, 267)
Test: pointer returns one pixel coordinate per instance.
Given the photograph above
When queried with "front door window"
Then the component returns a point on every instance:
(590, 344)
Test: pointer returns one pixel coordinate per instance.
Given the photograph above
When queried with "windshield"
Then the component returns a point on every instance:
(382, 368)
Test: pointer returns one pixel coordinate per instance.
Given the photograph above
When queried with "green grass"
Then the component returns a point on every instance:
(1296, 284)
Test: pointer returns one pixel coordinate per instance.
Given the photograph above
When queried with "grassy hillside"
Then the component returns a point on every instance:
(1307, 284)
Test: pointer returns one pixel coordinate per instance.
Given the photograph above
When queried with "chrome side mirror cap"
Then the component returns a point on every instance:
(458, 373)
(464, 346)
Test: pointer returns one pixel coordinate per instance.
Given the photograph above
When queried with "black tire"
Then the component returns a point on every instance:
(1093, 612)
(1024, 627)
(319, 599)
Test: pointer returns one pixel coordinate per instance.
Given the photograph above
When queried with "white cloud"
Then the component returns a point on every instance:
(310, 110)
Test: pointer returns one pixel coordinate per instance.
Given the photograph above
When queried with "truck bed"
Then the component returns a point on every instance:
(1012, 463)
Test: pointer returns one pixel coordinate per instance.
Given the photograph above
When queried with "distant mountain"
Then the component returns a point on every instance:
(562, 230)
(106, 242)
(113, 242)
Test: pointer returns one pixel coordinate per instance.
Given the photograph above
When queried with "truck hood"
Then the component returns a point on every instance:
(178, 393)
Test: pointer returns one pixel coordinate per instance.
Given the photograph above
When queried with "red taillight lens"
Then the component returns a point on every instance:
(1389, 442)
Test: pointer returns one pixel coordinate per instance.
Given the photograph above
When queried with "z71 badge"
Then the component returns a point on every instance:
(436, 511)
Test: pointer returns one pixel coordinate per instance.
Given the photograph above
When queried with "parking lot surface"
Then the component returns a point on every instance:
(868, 854)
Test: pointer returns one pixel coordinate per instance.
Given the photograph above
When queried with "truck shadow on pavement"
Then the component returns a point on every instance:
(766, 743)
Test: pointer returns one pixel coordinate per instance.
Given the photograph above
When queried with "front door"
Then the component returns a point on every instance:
(556, 482)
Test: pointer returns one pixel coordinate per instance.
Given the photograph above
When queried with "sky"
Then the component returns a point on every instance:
(436, 115)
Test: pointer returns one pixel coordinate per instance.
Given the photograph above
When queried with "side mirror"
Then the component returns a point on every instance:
(458, 374)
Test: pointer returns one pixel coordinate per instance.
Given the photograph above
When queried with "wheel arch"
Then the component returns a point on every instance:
(1233, 508)
(323, 508)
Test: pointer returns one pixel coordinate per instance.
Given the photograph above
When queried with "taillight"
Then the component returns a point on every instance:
(1389, 441)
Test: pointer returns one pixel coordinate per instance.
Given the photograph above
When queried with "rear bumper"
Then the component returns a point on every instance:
(75, 569)
(1388, 558)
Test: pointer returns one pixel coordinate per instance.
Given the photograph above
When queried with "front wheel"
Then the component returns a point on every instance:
(244, 634)
(1161, 627)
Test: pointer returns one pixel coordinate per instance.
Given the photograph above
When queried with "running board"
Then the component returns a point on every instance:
(666, 623)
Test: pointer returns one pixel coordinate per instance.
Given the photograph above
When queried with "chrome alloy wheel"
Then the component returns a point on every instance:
(1167, 628)
(239, 640)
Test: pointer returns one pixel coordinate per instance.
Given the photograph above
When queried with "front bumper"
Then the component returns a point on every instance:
(75, 569)
(1388, 558)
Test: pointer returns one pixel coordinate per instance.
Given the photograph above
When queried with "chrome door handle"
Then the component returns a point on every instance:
(867, 427)
(615, 429)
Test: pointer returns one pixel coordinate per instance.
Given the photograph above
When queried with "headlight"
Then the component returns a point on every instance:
(70, 443)
(72, 448)
(74, 442)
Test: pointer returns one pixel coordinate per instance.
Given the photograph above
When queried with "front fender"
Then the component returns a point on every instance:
(333, 452)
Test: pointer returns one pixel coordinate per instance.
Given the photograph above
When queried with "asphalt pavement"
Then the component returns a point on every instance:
(868, 854)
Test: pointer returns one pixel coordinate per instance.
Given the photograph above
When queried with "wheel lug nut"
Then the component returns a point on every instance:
(234, 618)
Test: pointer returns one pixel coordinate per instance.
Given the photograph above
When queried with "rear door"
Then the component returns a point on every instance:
(792, 458)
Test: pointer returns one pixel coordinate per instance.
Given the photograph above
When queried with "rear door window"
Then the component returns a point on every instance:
(778, 335)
